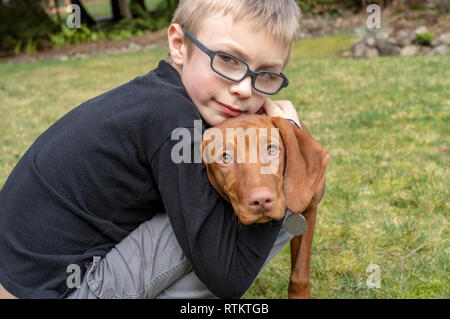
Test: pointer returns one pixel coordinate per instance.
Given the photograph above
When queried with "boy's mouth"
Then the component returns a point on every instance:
(228, 109)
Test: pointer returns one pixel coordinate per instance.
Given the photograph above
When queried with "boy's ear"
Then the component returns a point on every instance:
(177, 47)
(306, 161)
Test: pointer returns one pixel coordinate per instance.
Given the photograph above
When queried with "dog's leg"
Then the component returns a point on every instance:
(295, 249)
(300, 258)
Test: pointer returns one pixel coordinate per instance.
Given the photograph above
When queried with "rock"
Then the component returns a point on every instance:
(359, 49)
(317, 34)
(410, 50)
(370, 41)
(434, 43)
(339, 32)
(134, 46)
(381, 36)
(80, 55)
(310, 25)
(360, 31)
(444, 39)
(372, 53)
(303, 35)
(440, 50)
(421, 29)
(424, 50)
(405, 37)
(392, 41)
(385, 48)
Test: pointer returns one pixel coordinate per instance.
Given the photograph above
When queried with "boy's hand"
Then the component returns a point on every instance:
(281, 108)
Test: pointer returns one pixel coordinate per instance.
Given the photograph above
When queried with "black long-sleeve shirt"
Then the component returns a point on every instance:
(103, 169)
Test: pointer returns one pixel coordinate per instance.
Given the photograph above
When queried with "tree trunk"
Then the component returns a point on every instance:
(57, 11)
(125, 8)
(85, 16)
(115, 8)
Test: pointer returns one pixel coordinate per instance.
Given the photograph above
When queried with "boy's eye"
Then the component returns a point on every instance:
(227, 58)
(267, 76)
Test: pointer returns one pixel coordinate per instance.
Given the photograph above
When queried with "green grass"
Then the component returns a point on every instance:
(385, 123)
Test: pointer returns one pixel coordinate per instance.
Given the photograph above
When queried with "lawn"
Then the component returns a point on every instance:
(385, 123)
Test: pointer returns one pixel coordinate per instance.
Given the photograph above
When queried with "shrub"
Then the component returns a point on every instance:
(424, 38)
(24, 25)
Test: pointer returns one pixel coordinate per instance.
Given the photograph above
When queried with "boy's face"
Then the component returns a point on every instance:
(217, 98)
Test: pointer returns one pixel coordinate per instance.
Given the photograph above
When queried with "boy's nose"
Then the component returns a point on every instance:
(242, 88)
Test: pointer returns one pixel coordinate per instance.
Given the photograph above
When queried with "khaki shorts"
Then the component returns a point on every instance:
(149, 263)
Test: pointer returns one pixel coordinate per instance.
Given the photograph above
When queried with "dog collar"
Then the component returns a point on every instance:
(295, 123)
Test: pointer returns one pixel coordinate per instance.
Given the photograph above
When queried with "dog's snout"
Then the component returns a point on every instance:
(261, 200)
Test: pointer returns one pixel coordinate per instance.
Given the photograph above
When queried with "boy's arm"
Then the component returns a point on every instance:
(225, 255)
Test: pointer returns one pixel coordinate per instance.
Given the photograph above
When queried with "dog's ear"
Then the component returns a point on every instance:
(305, 164)
(204, 147)
(207, 149)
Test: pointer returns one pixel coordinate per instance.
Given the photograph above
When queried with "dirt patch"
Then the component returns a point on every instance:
(135, 43)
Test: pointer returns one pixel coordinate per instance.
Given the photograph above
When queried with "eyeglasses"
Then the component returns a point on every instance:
(235, 69)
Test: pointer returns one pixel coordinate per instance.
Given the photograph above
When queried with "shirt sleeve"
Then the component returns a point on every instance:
(226, 255)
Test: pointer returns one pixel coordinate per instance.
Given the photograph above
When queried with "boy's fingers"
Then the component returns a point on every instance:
(267, 105)
(271, 108)
(284, 105)
(281, 108)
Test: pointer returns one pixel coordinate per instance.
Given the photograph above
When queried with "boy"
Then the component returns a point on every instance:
(98, 204)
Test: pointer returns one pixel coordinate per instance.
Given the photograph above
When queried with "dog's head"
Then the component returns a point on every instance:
(262, 165)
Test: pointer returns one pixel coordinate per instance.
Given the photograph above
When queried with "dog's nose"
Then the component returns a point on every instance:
(260, 200)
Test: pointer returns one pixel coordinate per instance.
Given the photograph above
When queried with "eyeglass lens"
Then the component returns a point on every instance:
(234, 69)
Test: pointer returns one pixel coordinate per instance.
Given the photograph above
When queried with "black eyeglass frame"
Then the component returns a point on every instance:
(253, 74)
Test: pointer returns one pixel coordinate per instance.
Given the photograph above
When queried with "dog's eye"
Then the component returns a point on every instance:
(272, 150)
(226, 158)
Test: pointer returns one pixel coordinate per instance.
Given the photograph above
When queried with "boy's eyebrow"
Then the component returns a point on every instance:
(237, 51)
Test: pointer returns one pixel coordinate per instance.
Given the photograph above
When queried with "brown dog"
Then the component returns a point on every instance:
(288, 170)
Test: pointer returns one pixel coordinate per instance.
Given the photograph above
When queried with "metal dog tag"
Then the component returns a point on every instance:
(295, 224)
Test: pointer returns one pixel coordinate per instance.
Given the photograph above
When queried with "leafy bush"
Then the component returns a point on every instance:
(35, 30)
(76, 35)
(424, 38)
(28, 33)
(122, 30)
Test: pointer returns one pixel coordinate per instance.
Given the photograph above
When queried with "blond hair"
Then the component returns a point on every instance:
(279, 17)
